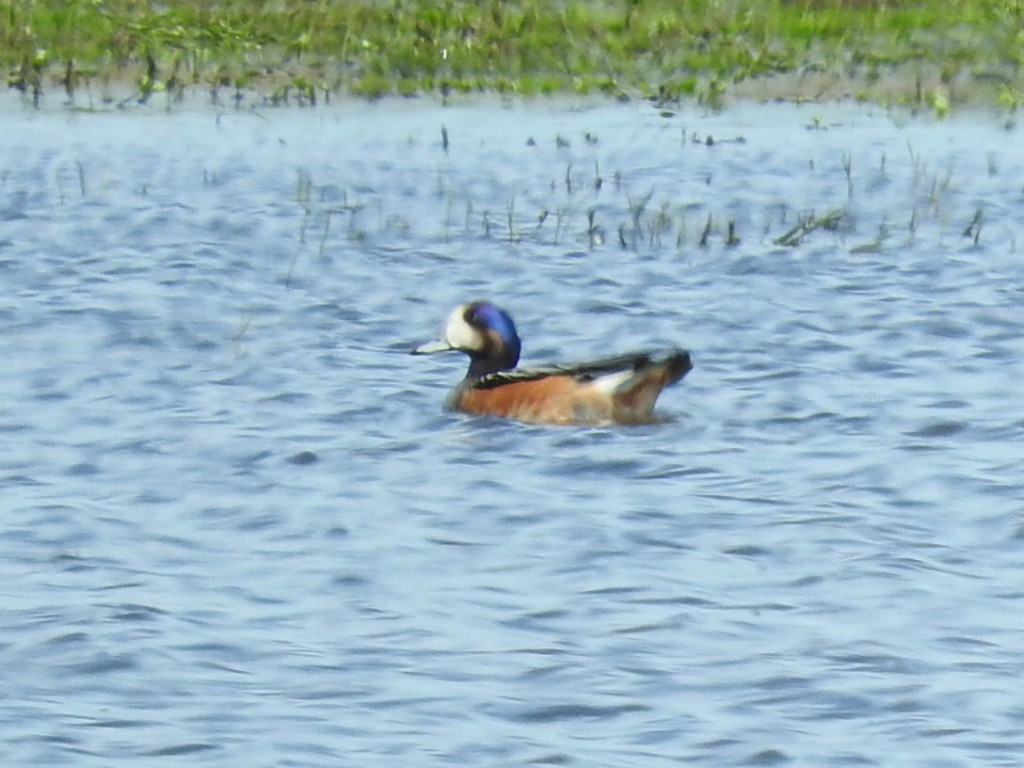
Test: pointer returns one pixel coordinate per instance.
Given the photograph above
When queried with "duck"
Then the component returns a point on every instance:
(614, 390)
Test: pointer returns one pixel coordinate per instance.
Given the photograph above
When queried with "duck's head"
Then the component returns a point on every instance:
(484, 332)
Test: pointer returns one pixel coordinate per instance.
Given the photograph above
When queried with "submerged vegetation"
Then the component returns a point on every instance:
(929, 52)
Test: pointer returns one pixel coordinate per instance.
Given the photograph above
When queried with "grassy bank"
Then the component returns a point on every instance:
(933, 53)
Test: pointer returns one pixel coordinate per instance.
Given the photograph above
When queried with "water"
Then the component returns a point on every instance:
(239, 530)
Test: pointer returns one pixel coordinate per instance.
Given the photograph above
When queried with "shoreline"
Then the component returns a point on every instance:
(904, 89)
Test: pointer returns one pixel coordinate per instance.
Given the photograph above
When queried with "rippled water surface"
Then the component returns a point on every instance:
(238, 527)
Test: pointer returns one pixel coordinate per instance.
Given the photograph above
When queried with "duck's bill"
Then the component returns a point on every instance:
(432, 346)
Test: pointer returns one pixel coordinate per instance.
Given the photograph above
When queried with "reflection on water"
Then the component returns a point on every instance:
(238, 519)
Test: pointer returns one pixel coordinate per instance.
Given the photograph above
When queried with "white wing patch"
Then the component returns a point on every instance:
(610, 382)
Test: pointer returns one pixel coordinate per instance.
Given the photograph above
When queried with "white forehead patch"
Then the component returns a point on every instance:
(460, 334)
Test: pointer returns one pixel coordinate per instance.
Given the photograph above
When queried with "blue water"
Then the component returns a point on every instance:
(239, 529)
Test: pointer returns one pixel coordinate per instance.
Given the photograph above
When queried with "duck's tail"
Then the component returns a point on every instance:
(634, 397)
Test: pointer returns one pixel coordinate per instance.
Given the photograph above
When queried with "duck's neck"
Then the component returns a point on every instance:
(484, 365)
(481, 366)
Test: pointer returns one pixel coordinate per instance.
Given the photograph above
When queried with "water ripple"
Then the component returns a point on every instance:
(236, 512)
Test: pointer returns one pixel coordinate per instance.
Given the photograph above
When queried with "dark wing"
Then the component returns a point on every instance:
(587, 371)
(501, 378)
(592, 369)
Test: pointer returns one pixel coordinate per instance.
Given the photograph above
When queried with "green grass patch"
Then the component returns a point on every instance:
(933, 50)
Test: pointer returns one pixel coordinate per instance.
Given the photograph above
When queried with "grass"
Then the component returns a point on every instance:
(931, 52)
(586, 209)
